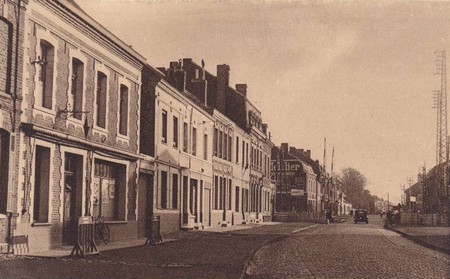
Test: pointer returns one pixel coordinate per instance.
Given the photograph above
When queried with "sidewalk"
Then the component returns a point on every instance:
(175, 236)
(437, 238)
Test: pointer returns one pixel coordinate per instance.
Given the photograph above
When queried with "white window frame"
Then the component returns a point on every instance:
(42, 35)
(77, 54)
(127, 83)
(101, 68)
(50, 185)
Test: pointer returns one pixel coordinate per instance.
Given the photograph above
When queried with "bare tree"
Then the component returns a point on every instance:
(353, 184)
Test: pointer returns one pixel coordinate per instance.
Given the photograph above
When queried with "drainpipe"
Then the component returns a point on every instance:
(16, 62)
(12, 215)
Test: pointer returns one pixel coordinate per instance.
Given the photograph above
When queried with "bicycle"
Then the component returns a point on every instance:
(101, 230)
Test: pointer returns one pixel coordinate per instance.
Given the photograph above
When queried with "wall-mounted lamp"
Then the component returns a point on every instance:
(39, 60)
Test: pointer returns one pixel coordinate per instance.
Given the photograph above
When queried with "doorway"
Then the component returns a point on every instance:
(145, 203)
(73, 173)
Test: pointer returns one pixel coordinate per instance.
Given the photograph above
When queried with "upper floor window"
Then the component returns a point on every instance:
(101, 100)
(185, 137)
(76, 91)
(205, 146)
(164, 127)
(6, 57)
(123, 110)
(46, 74)
(243, 153)
(175, 132)
(237, 150)
(230, 142)
(215, 139)
(220, 143)
(194, 141)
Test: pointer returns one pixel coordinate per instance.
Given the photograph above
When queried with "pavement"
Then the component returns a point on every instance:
(222, 252)
(179, 235)
(437, 238)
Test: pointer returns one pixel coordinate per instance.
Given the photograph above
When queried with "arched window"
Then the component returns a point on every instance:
(4, 170)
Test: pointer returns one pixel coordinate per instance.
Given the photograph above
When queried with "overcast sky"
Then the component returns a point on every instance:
(359, 74)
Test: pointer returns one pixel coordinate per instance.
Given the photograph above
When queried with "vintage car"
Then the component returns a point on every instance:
(360, 216)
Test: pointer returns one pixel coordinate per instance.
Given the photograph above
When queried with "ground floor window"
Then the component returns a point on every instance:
(4, 170)
(109, 190)
(236, 199)
(41, 184)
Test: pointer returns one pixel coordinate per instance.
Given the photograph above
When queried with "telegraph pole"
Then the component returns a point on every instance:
(441, 134)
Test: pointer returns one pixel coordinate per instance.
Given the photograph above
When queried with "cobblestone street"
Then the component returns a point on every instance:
(348, 250)
(287, 250)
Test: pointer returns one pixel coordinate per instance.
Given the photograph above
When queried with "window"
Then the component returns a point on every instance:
(194, 141)
(123, 110)
(219, 148)
(224, 146)
(163, 191)
(109, 190)
(193, 197)
(175, 132)
(4, 169)
(174, 191)
(216, 192)
(237, 150)
(46, 74)
(185, 137)
(164, 126)
(236, 199)
(229, 148)
(216, 138)
(41, 184)
(76, 92)
(229, 195)
(205, 147)
(243, 153)
(6, 37)
(101, 99)
(246, 154)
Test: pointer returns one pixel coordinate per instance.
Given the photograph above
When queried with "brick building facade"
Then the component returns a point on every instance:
(11, 58)
(79, 137)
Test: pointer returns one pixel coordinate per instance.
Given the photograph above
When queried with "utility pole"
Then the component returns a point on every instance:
(441, 135)
(409, 190)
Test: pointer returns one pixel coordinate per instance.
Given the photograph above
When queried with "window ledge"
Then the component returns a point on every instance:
(41, 224)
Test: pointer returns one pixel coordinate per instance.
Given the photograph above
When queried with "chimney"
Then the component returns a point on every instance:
(199, 83)
(308, 152)
(177, 76)
(223, 80)
(242, 88)
(285, 148)
(292, 150)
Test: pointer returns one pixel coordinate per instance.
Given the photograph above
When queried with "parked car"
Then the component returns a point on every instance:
(361, 216)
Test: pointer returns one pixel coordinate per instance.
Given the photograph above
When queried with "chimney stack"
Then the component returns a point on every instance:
(308, 152)
(223, 80)
(242, 88)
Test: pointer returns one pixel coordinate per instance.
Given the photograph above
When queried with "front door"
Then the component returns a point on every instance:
(145, 204)
(72, 197)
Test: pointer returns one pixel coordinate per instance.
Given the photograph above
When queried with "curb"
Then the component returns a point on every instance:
(280, 237)
(419, 241)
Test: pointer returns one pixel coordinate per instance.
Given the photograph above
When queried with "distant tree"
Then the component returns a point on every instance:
(353, 184)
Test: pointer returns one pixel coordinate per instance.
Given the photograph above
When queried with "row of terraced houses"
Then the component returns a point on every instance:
(89, 128)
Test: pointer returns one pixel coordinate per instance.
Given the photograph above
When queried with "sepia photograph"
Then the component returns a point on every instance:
(234, 139)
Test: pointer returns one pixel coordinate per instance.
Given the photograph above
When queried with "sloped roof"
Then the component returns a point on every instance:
(75, 9)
